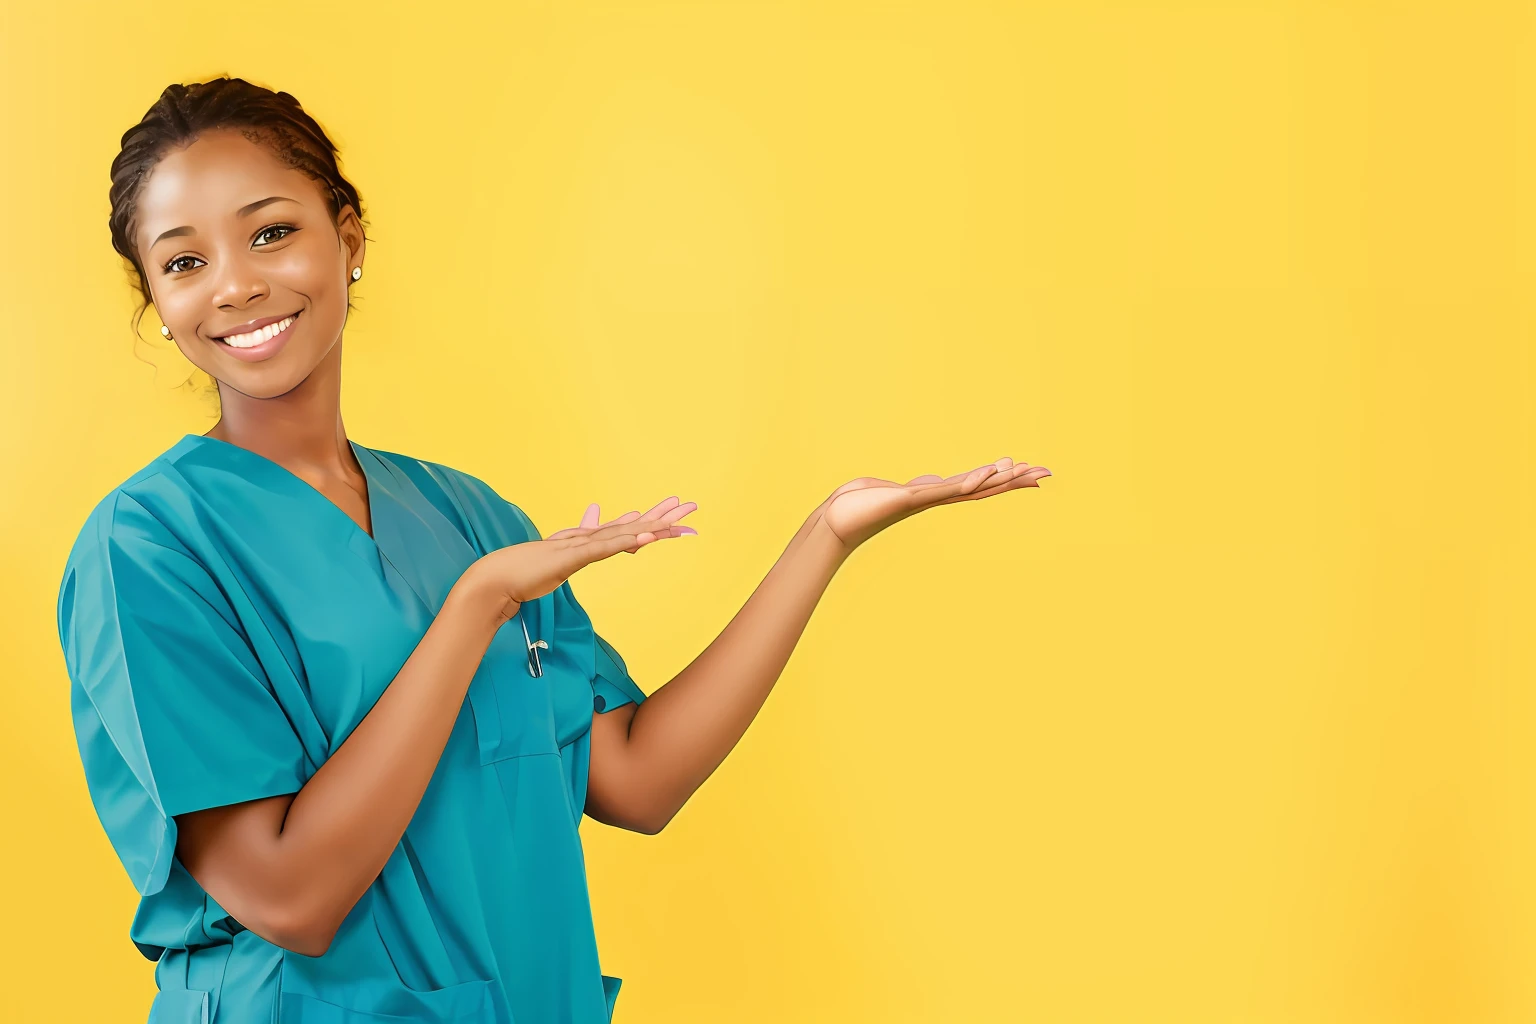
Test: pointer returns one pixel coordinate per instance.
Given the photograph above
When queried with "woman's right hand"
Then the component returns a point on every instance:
(527, 571)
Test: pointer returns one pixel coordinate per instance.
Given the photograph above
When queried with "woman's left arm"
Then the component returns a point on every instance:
(648, 759)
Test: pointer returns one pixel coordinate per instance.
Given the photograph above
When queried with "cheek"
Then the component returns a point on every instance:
(174, 301)
(312, 270)
(315, 276)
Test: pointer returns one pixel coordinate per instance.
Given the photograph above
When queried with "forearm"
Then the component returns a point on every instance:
(682, 732)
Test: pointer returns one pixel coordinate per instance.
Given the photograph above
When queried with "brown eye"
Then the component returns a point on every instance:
(171, 267)
(286, 230)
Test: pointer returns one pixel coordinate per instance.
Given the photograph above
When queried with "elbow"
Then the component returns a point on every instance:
(309, 943)
(299, 930)
(653, 822)
(632, 811)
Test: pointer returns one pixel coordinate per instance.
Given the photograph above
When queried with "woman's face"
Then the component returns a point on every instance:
(232, 239)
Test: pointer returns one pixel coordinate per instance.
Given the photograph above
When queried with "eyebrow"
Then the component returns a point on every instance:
(244, 211)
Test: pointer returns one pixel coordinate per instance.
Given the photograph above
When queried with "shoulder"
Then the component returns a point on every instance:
(124, 513)
(120, 519)
(474, 500)
(123, 559)
(132, 530)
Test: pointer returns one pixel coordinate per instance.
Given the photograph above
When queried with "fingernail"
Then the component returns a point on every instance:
(689, 531)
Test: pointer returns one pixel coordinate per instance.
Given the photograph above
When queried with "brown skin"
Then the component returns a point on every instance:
(290, 868)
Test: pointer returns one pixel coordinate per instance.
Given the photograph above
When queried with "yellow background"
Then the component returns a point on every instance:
(1230, 721)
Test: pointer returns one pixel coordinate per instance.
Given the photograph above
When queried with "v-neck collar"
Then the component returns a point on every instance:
(357, 453)
(411, 539)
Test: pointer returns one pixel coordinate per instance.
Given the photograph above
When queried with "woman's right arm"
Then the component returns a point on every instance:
(290, 868)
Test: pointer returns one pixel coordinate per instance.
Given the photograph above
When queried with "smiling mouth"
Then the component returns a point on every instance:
(257, 337)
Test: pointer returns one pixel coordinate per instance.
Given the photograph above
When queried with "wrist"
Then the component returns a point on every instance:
(811, 525)
(482, 597)
(822, 539)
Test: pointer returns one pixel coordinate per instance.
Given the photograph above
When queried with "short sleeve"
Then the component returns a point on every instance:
(611, 682)
(172, 709)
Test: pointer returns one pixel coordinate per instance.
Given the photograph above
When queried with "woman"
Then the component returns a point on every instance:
(339, 710)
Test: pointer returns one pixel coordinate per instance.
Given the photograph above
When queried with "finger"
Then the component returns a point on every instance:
(1003, 465)
(631, 529)
(1029, 476)
(1034, 473)
(589, 520)
(671, 515)
(1020, 475)
(627, 517)
(677, 512)
(661, 507)
(926, 494)
(977, 495)
(958, 476)
(630, 537)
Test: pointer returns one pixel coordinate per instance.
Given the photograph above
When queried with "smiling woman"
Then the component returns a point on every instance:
(278, 637)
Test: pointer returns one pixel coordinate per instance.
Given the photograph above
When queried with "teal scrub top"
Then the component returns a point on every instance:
(225, 627)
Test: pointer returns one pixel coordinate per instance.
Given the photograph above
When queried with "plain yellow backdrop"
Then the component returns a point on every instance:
(1229, 721)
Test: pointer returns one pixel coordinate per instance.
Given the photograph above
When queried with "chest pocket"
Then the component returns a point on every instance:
(518, 713)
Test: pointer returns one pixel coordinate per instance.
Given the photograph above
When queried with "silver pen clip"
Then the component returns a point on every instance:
(534, 667)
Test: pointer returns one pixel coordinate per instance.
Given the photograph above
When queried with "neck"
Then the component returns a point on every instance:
(300, 428)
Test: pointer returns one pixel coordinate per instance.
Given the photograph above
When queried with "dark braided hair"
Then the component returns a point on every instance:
(182, 113)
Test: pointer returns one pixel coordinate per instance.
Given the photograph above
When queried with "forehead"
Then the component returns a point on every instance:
(205, 183)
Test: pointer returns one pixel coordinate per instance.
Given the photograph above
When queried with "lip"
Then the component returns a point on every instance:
(252, 325)
(266, 349)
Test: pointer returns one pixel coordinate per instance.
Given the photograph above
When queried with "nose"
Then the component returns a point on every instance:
(238, 284)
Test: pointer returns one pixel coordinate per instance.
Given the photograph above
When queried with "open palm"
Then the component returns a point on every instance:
(669, 509)
(861, 508)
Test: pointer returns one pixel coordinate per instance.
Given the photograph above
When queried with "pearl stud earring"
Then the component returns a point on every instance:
(357, 272)
(165, 330)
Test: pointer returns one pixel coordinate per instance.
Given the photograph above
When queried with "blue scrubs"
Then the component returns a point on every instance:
(225, 627)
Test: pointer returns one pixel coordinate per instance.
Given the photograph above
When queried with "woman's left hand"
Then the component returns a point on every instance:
(861, 508)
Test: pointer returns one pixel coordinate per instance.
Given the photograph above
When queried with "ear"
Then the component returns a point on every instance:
(350, 231)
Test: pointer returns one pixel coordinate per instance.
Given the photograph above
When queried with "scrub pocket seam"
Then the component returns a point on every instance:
(292, 1010)
(179, 1006)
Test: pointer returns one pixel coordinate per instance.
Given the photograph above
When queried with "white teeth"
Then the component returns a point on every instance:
(257, 337)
